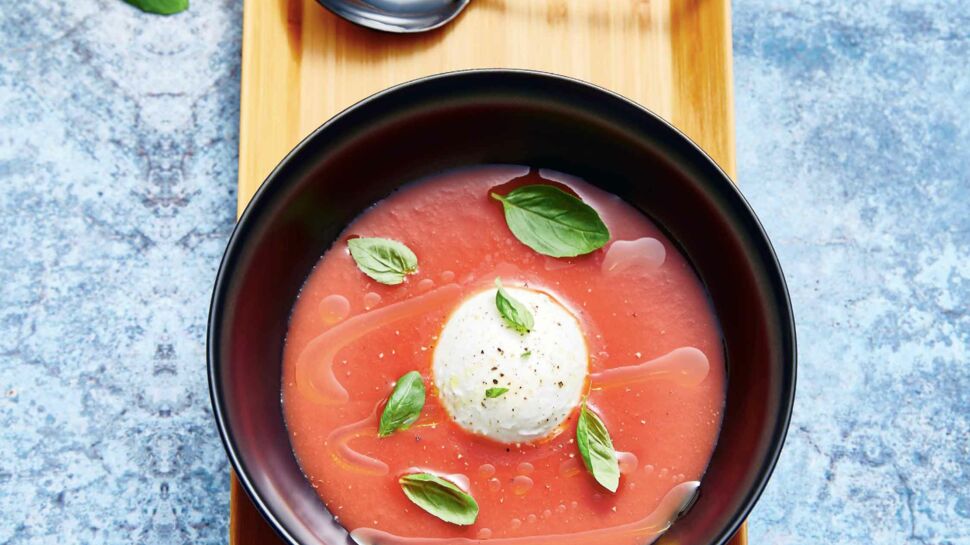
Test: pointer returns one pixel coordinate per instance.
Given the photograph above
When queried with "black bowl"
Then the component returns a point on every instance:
(496, 116)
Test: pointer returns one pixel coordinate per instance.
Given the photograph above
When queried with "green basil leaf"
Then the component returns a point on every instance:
(160, 7)
(553, 222)
(385, 260)
(441, 498)
(495, 392)
(404, 406)
(596, 449)
(515, 314)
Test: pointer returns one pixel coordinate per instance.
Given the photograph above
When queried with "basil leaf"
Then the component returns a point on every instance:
(553, 222)
(385, 260)
(160, 7)
(441, 498)
(596, 449)
(495, 392)
(404, 406)
(515, 314)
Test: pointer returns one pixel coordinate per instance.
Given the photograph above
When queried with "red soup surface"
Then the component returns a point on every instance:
(656, 374)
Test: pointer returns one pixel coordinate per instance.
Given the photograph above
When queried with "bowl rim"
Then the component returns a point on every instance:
(237, 241)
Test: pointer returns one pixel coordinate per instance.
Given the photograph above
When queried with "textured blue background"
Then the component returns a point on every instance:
(118, 160)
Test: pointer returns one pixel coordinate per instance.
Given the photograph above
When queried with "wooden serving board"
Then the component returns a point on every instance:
(301, 65)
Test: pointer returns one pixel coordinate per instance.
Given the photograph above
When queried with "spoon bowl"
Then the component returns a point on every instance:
(400, 16)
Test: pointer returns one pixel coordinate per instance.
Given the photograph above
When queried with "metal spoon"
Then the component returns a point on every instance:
(404, 16)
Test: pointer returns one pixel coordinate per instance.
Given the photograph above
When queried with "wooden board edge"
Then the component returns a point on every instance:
(704, 75)
(701, 17)
(264, 100)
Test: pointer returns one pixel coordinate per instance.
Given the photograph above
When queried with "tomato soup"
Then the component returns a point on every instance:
(624, 332)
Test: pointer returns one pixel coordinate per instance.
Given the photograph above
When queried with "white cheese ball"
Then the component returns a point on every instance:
(544, 370)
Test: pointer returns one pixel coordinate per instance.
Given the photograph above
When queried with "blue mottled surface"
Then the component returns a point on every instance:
(117, 163)
(853, 129)
(118, 138)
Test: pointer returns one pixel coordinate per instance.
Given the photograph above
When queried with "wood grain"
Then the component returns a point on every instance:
(301, 65)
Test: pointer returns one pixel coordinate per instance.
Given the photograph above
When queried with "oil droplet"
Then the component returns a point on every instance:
(648, 469)
(639, 256)
(546, 514)
(494, 484)
(570, 467)
(531, 519)
(515, 523)
(628, 462)
(458, 478)
(663, 472)
(334, 308)
(315, 377)
(447, 276)
(525, 468)
(686, 366)
(561, 508)
(425, 284)
(484, 533)
(574, 504)
(521, 485)
(339, 443)
(371, 300)
(556, 264)
(486, 470)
